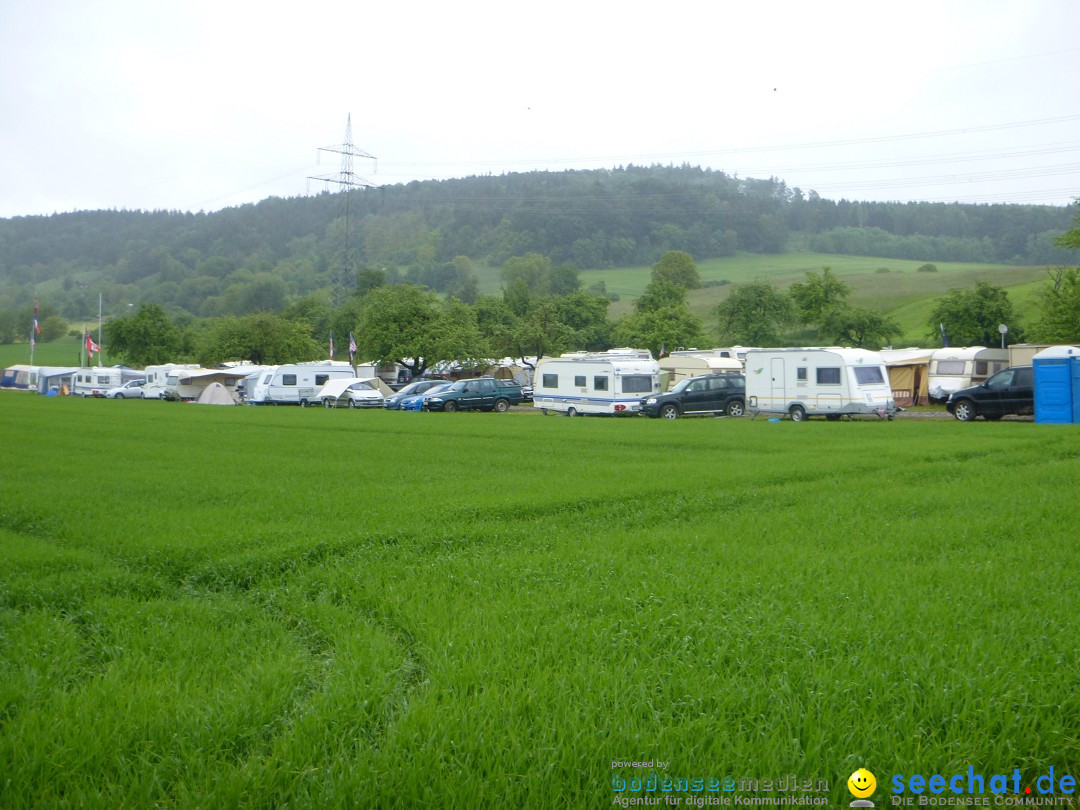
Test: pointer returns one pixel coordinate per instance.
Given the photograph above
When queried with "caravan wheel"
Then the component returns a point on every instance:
(798, 413)
(352, 402)
(571, 411)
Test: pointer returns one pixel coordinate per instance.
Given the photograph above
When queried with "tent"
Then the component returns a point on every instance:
(909, 371)
(215, 394)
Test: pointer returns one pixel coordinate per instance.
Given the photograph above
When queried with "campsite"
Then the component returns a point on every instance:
(521, 604)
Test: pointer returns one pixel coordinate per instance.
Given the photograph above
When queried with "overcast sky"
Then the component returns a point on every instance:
(205, 104)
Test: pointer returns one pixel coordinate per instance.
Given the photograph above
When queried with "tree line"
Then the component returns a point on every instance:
(257, 257)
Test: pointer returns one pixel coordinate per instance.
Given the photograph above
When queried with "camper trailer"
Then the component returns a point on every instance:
(962, 367)
(611, 382)
(297, 383)
(157, 378)
(831, 382)
(684, 364)
(94, 382)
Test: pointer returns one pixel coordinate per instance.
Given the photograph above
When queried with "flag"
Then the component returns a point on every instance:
(663, 346)
(944, 337)
(91, 347)
(37, 329)
(352, 350)
(331, 344)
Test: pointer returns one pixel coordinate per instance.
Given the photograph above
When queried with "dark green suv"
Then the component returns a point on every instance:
(480, 394)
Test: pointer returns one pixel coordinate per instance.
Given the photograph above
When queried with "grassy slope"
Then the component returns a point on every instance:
(409, 610)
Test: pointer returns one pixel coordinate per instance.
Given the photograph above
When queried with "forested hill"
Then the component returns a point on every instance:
(590, 219)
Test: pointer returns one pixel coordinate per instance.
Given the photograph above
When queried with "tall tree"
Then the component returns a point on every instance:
(262, 338)
(1060, 299)
(972, 317)
(145, 337)
(755, 314)
(679, 268)
(816, 297)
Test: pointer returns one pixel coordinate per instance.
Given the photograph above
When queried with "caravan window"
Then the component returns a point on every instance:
(580, 381)
(550, 381)
(600, 383)
(637, 384)
(955, 367)
(320, 379)
(800, 374)
(868, 375)
(288, 379)
(828, 376)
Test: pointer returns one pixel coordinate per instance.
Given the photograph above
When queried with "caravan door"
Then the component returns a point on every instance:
(777, 394)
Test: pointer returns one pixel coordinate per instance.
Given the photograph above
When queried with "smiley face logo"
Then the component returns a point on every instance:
(861, 783)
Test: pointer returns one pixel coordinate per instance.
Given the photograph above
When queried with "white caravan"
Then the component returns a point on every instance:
(94, 382)
(953, 368)
(611, 382)
(157, 378)
(806, 382)
(297, 383)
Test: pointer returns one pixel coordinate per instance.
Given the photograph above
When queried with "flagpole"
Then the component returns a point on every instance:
(99, 340)
(82, 348)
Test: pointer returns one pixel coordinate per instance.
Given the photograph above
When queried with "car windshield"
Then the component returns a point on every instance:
(680, 386)
(438, 389)
(412, 388)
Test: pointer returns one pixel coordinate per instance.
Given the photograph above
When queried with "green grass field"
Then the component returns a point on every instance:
(273, 607)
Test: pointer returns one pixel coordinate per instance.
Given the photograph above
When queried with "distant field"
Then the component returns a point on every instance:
(907, 295)
(271, 607)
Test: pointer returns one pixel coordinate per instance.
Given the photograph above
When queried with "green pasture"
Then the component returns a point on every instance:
(275, 607)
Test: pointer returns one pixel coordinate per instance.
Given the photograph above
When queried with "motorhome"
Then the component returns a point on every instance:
(687, 363)
(296, 383)
(953, 368)
(611, 382)
(157, 378)
(832, 382)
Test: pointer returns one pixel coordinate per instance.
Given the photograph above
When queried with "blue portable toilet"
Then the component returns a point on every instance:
(1057, 385)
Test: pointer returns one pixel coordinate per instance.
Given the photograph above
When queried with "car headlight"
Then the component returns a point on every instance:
(650, 401)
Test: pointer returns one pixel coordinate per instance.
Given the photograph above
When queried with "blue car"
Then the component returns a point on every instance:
(393, 402)
(415, 402)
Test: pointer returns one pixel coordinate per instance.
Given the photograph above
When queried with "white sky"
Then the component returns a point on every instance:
(205, 104)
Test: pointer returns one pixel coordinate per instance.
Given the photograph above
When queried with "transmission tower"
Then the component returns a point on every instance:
(344, 279)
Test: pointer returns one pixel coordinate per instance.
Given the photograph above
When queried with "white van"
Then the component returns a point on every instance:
(806, 382)
(953, 368)
(296, 383)
(611, 382)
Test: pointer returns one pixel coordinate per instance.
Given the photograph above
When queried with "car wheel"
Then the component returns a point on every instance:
(798, 413)
(450, 406)
(326, 403)
(571, 411)
(303, 403)
(670, 411)
(964, 411)
(736, 408)
(502, 406)
(119, 396)
(352, 403)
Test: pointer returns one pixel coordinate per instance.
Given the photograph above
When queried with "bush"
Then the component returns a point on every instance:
(927, 268)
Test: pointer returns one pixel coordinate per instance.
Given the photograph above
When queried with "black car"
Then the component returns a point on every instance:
(713, 394)
(1010, 391)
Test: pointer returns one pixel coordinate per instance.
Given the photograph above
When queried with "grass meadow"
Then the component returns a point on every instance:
(273, 607)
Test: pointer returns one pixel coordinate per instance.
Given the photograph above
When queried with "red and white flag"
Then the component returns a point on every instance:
(37, 329)
(91, 347)
(331, 344)
(352, 349)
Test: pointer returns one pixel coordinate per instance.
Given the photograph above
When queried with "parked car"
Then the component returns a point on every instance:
(133, 389)
(1010, 391)
(351, 393)
(712, 394)
(480, 394)
(415, 402)
(393, 403)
